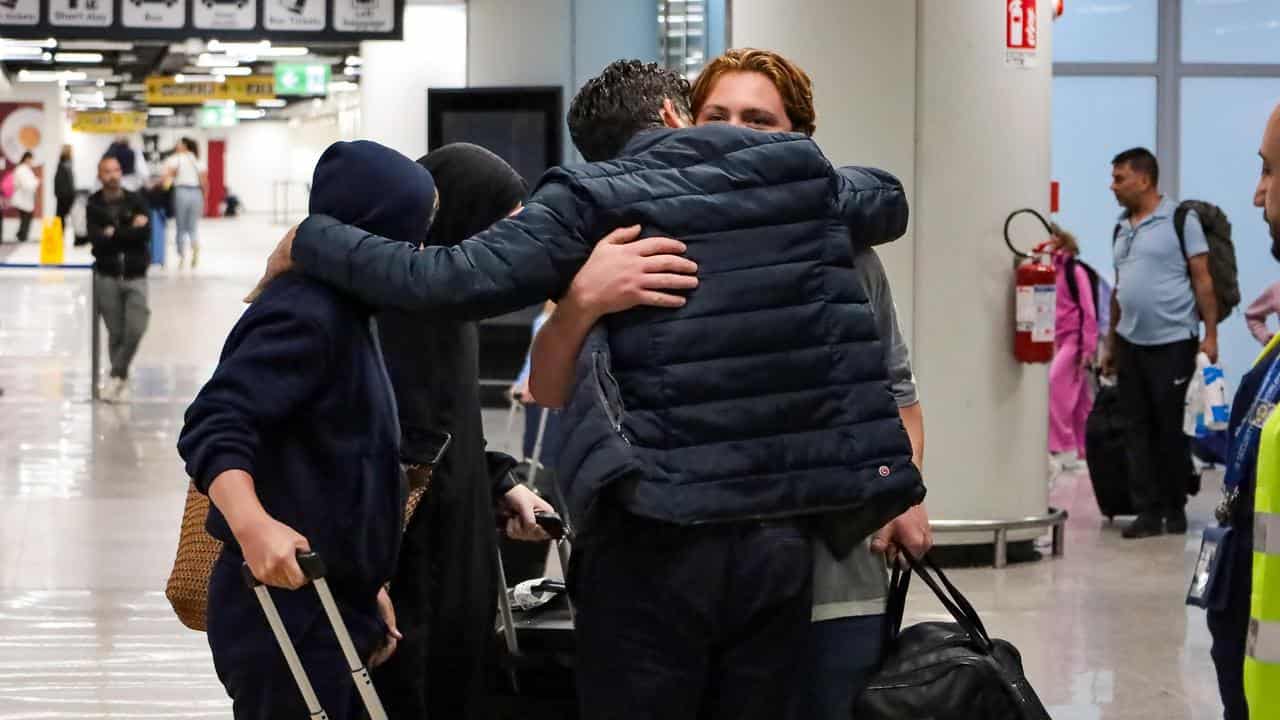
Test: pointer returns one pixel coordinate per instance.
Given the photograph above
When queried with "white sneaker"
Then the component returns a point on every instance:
(110, 388)
(121, 394)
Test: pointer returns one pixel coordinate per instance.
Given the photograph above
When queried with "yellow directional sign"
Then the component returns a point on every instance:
(247, 89)
(102, 121)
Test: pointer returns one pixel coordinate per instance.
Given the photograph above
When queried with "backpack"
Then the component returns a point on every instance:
(1222, 252)
(7, 185)
(1099, 291)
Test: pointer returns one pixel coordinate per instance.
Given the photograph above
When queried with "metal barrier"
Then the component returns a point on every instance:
(95, 360)
(1055, 519)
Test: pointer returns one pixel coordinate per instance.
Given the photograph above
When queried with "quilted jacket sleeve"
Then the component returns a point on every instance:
(517, 262)
(873, 205)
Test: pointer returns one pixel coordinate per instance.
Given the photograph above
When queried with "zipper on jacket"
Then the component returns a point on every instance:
(615, 417)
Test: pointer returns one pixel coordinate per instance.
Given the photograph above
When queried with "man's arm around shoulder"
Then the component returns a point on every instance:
(518, 261)
(873, 204)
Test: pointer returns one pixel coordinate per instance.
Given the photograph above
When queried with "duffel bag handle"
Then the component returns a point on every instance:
(952, 599)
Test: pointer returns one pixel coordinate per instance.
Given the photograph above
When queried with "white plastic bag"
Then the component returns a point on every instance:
(1206, 409)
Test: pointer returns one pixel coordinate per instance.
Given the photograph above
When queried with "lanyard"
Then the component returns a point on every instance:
(1245, 440)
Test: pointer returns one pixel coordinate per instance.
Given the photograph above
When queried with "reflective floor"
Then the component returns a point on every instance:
(90, 498)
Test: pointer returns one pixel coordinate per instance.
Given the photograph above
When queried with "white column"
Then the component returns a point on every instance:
(983, 130)
(921, 89)
(396, 75)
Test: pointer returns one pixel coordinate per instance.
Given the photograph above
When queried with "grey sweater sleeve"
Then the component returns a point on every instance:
(870, 273)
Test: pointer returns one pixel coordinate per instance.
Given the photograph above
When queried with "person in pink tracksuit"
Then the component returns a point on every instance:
(1075, 347)
(1267, 304)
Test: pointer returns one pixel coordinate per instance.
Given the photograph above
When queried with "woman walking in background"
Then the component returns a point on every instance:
(186, 174)
(1075, 349)
(25, 186)
(64, 186)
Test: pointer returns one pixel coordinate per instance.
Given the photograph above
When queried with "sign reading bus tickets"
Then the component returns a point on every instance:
(1021, 33)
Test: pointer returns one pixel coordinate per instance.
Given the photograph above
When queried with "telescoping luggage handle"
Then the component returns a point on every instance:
(313, 567)
(952, 599)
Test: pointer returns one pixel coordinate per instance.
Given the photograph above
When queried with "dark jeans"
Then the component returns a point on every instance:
(1230, 628)
(843, 653)
(24, 225)
(707, 622)
(1153, 388)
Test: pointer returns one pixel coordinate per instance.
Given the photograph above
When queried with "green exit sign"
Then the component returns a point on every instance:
(301, 79)
(217, 116)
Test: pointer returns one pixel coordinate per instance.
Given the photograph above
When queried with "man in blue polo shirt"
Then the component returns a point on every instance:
(1163, 293)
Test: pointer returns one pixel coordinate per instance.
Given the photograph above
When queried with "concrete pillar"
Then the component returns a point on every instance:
(396, 75)
(922, 89)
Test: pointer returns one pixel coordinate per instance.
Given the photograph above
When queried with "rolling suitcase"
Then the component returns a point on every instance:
(314, 569)
(1105, 453)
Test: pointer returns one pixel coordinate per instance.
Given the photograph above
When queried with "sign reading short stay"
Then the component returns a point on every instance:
(301, 79)
(1021, 33)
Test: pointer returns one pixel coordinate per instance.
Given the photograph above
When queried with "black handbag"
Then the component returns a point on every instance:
(945, 671)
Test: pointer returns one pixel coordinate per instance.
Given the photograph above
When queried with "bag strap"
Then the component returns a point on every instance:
(952, 599)
(899, 584)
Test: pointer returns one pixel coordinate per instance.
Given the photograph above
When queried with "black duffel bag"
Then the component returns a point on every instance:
(945, 671)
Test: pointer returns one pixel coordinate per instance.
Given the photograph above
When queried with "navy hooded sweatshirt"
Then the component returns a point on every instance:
(766, 396)
(301, 401)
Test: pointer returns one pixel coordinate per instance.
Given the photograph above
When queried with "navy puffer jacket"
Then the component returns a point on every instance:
(766, 395)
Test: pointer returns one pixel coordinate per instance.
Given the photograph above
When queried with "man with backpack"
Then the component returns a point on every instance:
(1170, 277)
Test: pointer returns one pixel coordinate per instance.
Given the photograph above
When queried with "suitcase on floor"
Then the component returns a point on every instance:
(1105, 453)
(315, 571)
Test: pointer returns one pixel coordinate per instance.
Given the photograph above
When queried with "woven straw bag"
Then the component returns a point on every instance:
(188, 586)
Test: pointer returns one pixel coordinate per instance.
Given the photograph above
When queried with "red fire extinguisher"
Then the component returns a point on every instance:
(1035, 296)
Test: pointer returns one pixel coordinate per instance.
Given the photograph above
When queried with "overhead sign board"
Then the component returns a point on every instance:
(164, 90)
(302, 79)
(280, 21)
(110, 123)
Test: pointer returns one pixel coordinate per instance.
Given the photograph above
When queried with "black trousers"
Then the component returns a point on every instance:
(707, 622)
(24, 225)
(1153, 387)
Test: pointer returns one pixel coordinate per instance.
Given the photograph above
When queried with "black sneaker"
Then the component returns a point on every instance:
(1143, 527)
(1175, 523)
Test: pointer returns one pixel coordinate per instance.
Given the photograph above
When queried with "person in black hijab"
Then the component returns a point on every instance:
(444, 589)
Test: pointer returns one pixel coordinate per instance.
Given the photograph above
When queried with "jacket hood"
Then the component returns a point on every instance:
(374, 188)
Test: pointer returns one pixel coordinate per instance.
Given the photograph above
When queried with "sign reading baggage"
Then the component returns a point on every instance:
(364, 15)
(225, 14)
(81, 13)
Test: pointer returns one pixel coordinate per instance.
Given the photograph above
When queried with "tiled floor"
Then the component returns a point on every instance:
(90, 497)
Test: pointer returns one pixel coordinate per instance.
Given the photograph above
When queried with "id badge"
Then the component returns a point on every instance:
(1209, 580)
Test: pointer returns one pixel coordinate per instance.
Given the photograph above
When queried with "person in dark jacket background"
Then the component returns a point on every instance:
(119, 227)
(444, 589)
(64, 185)
(725, 180)
(295, 439)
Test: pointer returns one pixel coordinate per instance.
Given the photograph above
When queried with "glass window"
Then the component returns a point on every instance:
(1231, 31)
(1106, 31)
(1222, 122)
(1085, 140)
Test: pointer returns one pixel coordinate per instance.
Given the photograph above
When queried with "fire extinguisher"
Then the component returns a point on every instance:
(1035, 299)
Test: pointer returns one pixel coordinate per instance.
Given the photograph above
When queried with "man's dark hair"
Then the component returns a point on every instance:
(25, 157)
(1142, 161)
(621, 101)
